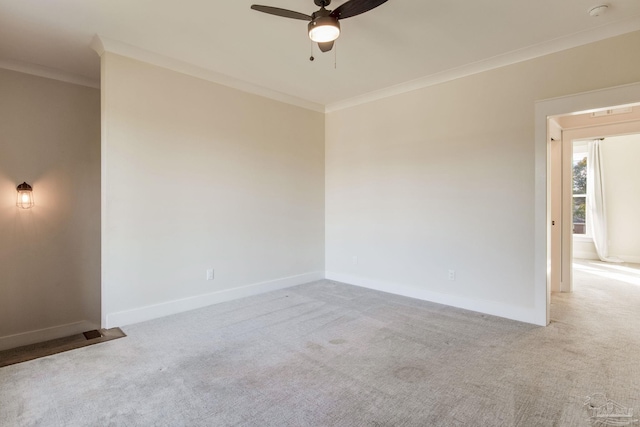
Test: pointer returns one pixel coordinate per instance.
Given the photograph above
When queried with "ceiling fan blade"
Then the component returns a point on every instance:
(281, 12)
(326, 46)
(355, 7)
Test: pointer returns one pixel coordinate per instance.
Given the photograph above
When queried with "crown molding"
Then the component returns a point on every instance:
(520, 55)
(102, 44)
(49, 73)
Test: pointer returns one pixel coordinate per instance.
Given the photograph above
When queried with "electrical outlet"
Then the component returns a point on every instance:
(210, 274)
(355, 260)
(452, 275)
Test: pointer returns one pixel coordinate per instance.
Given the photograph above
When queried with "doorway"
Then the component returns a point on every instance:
(589, 102)
(614, 135)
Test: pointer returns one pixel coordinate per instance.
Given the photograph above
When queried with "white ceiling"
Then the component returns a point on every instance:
(398, 42)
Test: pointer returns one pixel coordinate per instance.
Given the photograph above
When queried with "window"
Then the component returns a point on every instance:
(580, 149)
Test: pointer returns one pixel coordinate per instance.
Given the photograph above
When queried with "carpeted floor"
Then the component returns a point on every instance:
(329, 354)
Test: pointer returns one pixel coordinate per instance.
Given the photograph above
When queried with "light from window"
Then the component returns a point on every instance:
(579, 191)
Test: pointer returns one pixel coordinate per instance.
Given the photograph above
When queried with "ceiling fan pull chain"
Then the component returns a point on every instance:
(335, 56)
(311, 58)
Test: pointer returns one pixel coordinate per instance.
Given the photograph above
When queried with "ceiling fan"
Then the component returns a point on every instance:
(324, 25)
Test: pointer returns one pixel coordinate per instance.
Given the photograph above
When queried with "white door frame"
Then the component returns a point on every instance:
(582, 102)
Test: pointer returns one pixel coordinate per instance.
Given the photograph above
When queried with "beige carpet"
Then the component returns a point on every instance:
(329, 354)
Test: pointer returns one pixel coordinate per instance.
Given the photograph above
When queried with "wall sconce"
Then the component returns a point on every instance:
(25, 196)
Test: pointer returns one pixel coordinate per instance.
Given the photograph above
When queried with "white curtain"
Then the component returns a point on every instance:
(597, 221)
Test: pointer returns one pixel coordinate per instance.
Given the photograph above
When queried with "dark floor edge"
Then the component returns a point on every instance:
(49, 348)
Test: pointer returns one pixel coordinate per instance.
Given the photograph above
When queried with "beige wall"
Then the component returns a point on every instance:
(50, 254)
(197, 175)
(443, 178)
(620, 157)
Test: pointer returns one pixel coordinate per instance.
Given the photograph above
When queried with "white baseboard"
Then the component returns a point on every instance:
(585, 255)
(522, 314)
(155, 311)
(593, 256)
(631, 259)
(40, 335)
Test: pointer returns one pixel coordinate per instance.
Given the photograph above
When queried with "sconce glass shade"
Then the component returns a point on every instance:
(25, 196)
(324, 29)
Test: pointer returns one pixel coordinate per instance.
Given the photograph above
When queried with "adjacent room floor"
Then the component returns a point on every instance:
(329, 354)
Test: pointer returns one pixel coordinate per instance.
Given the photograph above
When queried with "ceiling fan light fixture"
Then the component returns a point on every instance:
(324, 29)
